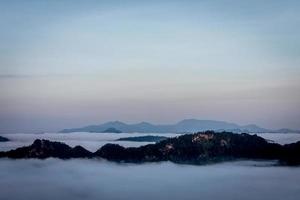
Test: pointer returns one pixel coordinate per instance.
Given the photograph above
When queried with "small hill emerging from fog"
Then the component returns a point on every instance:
(199, 148)
(184, 126)
(146, 138)
(3, 139)
(112, 130)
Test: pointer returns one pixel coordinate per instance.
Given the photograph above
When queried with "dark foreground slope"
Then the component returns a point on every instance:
(199, 148)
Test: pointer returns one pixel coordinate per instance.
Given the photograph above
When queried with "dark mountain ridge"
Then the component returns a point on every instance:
(199, 148)
(45, 149)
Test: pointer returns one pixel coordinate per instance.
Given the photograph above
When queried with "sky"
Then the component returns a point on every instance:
(72, 63)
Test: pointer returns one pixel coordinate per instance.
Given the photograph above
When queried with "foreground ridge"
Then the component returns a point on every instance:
(199, 148)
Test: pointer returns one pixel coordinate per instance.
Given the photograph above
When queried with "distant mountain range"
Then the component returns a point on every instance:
(184, 126)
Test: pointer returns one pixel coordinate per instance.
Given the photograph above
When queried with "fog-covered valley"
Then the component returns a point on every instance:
(97, 179)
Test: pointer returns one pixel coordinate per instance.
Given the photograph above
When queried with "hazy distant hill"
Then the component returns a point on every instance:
(187, 125)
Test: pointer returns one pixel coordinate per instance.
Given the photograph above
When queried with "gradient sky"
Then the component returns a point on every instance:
(72, 63)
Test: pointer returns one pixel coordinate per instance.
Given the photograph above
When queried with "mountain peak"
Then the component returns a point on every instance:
(144, 124)
(115, 123)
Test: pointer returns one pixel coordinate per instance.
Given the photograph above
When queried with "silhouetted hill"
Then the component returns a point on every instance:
(46, 149)
(3, 139)
(112, 130)
(147, 138)
(184, 126)
(199, 148)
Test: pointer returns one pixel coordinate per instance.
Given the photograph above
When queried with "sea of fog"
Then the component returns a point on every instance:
(93, 141)
(96, 179)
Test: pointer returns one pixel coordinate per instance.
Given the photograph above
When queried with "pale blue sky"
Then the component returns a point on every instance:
(72, 63)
